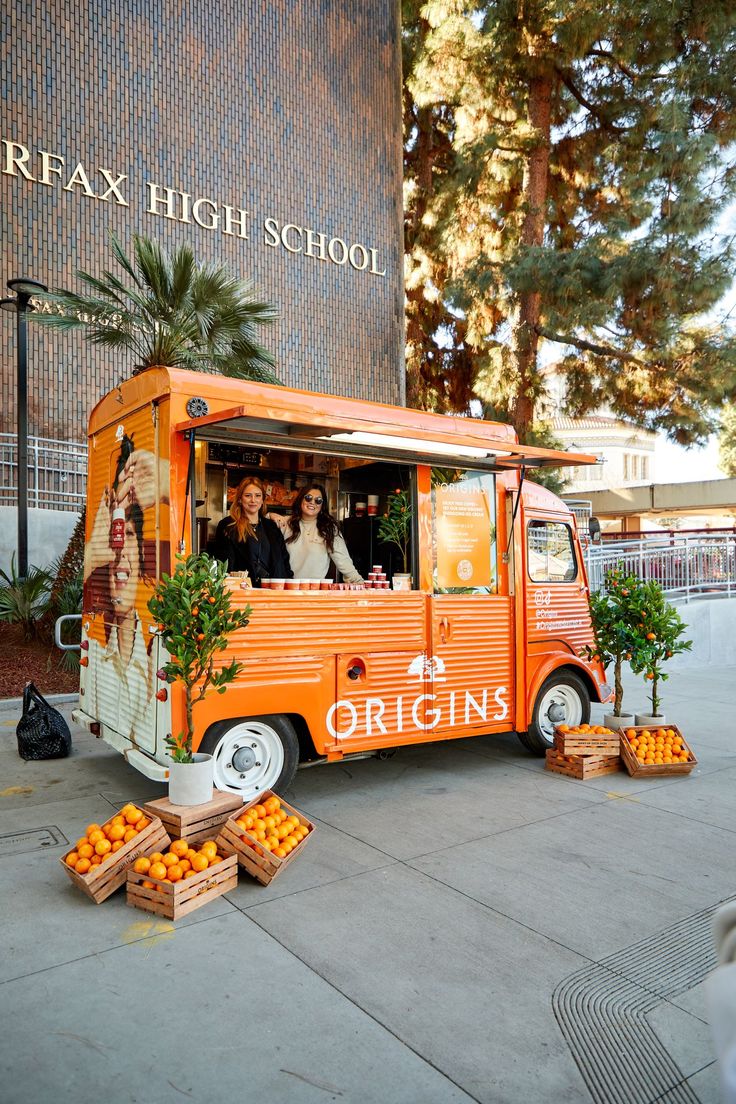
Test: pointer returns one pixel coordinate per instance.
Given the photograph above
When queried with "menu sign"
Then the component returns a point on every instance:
(464, 529)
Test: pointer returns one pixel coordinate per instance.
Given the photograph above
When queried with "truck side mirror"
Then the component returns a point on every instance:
(594, 528)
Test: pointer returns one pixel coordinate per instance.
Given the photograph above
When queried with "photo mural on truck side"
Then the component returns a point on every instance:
(128, 482)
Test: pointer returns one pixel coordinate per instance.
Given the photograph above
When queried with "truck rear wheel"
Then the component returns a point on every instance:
(562, 699)
(253, 754)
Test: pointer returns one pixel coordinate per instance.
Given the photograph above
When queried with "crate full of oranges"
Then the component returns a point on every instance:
(654, 751)
(176, 881)
(98, 861)
(266, 836)
(585, 739)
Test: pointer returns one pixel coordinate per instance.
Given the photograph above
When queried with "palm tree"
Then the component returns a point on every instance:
(176, 313)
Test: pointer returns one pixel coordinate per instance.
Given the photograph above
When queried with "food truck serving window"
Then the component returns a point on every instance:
(463, 531)
(550, 552)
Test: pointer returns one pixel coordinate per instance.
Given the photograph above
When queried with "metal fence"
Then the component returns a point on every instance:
(57, 473)
(685, 566)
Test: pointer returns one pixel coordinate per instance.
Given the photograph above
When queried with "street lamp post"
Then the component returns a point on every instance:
(20, 302)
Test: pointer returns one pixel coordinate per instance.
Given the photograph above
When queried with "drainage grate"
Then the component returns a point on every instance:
(35, 839)
(602, 1012)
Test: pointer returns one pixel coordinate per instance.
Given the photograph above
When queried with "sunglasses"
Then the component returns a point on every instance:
(311, 498)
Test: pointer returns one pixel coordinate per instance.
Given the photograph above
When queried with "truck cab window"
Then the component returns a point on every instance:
(550, 552)
(463, 532)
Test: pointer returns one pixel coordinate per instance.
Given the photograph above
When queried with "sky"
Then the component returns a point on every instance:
(673, 464)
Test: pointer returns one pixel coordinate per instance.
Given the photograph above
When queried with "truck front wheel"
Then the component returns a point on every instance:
(562, 699)
(253, 754)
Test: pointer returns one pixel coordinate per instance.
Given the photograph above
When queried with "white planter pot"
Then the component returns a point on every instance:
(191, 783)
(651, 721)
(401, 582)
(625, 720)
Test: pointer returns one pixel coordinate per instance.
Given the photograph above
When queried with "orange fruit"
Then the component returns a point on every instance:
(142, 823)
(129, 835)
(259, 810)
(83, 866)
(268, 843)
(280, 852)
(157, 870)
(117, 844)
(142, 865)
(133, 815)
(189, 873)
(86, 850)
(179, 848)
(200, 862)
(170, 859)
(175, 873)
(185, 865)
(92, 828)
(118, 819)
(115, 832)
(95, 860)
(95, 836)
(149, 885)
(208, 848)
(72, 858)
(102, 846)
(191, 853)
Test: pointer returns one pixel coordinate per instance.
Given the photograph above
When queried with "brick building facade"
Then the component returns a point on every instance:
(268, 135)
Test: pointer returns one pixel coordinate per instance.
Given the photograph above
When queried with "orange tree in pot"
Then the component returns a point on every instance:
(195, 617)
(612, 611)
(658, 630)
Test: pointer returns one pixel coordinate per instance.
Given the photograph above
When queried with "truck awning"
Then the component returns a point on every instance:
(467, 442)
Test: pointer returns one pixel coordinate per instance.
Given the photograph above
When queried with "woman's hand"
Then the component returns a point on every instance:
(98, 552)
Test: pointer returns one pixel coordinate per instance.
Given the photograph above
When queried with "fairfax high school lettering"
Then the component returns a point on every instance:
(163, 201)
(52, 169)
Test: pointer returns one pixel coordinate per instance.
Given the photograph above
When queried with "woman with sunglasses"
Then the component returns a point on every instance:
(313, 538)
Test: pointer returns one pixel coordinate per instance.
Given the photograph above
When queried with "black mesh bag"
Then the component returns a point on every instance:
(42, 731)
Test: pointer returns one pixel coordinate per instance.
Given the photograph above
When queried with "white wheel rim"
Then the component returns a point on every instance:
(556, 699)
(248, 759)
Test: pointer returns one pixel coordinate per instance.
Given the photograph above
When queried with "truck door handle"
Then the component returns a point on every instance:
(444, 629)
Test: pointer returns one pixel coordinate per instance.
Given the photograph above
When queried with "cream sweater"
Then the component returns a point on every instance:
(309, 556)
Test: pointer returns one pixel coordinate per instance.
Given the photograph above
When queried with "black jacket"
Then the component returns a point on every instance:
(264, 558)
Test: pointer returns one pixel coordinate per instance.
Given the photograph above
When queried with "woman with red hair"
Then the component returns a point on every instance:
(249, 541)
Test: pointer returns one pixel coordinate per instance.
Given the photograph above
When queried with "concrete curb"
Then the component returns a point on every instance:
(53, 699)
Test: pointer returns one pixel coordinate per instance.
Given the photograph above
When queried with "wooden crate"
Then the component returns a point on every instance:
(195, 823)
(642, 770)
(582, 766)
(586, 743)
(252, 856)
(175, 899)
(108, 876)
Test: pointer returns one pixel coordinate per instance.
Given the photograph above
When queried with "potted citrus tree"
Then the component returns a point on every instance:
(658, 636)
(195, 617)
(611, 614)
(395, 528)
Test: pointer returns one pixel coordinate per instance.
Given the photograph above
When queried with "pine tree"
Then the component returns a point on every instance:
(567, 166)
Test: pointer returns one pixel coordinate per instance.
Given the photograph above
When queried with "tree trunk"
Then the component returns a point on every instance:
(526, 339)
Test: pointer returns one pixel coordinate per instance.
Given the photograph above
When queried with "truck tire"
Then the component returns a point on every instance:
(252, 754)
(562, 699)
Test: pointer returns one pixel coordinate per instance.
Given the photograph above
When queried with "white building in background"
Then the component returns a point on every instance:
(625, 452)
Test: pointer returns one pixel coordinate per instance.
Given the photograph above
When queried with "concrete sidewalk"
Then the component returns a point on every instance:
(463, 926)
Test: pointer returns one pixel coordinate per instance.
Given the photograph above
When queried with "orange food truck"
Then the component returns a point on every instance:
(484, 635)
